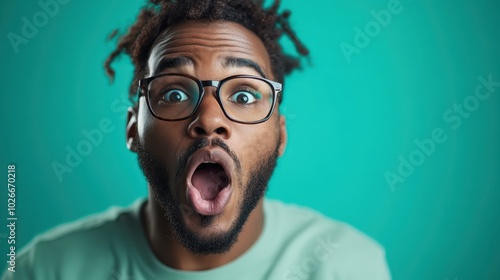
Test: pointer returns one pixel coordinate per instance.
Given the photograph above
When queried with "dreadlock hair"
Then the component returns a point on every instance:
(268, 24)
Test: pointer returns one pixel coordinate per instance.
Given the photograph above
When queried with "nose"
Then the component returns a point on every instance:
(209, 119)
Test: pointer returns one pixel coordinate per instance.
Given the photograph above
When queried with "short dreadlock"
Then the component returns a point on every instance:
(268, 24)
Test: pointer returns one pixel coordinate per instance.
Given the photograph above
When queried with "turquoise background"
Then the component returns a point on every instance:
(348, 125)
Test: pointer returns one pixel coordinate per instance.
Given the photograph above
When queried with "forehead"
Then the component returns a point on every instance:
(203, 44)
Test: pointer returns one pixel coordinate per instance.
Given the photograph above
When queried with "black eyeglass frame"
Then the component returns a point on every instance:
(144, 83)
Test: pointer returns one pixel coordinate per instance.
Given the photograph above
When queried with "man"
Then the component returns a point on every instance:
(206, 128)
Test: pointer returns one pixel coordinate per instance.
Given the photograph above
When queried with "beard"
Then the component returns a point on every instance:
(164, 190)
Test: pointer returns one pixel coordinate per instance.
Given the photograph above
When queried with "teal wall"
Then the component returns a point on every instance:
(355, 116)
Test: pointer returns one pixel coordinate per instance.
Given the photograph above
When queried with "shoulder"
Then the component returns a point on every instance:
(303, 220)
(77, 243)
(92, 228)
(330, 246)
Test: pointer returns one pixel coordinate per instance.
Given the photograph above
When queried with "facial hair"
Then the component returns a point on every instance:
(164, 190)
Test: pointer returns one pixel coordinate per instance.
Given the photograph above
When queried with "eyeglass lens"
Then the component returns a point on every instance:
(174, 97)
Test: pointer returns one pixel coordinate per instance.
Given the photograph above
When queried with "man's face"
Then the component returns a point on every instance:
(207, 173)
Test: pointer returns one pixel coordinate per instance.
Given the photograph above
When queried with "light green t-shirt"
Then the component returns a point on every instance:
(295, 244)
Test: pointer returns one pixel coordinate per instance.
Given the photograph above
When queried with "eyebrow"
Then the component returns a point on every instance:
(174, 62)
(180, 61)
(242, 62)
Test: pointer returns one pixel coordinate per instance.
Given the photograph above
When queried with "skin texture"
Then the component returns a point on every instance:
(207, 45)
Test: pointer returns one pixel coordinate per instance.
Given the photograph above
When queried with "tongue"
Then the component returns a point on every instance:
(209, 179)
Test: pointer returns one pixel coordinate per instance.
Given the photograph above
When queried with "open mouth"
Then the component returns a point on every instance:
(209, 179)
(208, 182)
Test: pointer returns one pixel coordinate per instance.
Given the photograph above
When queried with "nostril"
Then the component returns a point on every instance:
(220, 130)
(200, 131)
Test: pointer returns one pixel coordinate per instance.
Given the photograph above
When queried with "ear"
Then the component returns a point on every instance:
(283, 135)
(131, 130)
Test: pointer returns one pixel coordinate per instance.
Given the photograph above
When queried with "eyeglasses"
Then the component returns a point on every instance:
(243, 98)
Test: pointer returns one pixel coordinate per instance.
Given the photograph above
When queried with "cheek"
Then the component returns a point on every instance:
(145, 122)
(157, 136)
(258, 143)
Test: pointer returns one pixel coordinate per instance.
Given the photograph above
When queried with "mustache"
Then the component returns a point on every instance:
(201, 143)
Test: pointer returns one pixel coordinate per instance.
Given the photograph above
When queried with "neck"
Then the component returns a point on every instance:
(172, 253)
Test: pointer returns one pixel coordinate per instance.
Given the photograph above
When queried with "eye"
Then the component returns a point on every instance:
(175, 95)
(245, 97)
